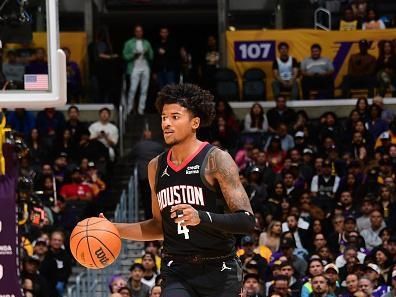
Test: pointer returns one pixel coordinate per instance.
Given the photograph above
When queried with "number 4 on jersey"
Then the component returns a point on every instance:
(183, 230)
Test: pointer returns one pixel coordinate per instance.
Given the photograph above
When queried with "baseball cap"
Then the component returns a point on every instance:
(247, 240)
(307, 151)
(299, 134)
(331, 266)
(276, 138)
(254, 169)
(40, 241)
(385, 135)
(62, 154)
(374, 267)
(287, 243)
(251, 275)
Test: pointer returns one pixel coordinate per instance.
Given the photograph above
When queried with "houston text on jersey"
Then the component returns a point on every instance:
(180, 194)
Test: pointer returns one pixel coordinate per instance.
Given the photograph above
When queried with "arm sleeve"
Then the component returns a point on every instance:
(241, 222)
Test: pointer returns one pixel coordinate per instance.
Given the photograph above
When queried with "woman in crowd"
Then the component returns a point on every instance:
(372, 21)
(386, 67)
(271, 238)
(256, 120)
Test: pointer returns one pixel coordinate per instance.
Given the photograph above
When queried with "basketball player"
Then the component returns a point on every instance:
(198, 202)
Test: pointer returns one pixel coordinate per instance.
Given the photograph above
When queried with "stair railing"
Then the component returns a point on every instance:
(90, 281)
(318, 19)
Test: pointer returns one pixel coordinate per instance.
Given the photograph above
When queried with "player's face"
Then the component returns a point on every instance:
(177, 124)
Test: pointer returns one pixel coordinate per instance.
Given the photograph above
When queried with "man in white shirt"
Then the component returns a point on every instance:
(105, 132)
(371, 235)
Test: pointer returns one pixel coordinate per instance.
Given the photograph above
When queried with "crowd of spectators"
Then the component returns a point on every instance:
(63, 178)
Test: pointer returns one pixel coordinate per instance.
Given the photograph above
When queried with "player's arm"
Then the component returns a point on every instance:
(150, 229)
(240, 220)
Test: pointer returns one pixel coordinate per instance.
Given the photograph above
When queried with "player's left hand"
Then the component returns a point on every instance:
(185, 214)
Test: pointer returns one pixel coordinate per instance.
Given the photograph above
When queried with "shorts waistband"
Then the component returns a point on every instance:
(197, 258)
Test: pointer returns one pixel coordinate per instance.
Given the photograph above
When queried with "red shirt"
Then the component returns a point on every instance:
(76, 192)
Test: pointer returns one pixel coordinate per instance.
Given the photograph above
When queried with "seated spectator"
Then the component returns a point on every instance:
(359, 8)
(256, 120)
(156, 291)
(361, 71)
(373, 273)
(30, 270)
(371, 234)
(366, 287)
(13, 70)
(386, 67)
(320, 287)
(76, 189)
(387, 114)
(317, 74)
(74, 85)
(116, 282)
(315, 268)
(251, 285)
(150, 269)
(373, 22)
(138, 288)
(105, 132)
(56, 266)
(74, 124)
(38, 65)
(274, 154)
(250, 256)
(271, 238)
(349, 22)
(93, 179)
(65, 145)
(92, 149)
(287, 141)
(50, 124)
(375, 124)
(22, 121)
(285, 70)
(280, 114)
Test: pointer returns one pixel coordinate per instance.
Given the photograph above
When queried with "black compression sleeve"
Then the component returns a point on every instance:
(241, 222)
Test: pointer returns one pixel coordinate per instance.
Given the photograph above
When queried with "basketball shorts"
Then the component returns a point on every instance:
(206, 279)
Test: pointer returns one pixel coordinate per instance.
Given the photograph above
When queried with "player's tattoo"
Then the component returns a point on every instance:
(222, 167)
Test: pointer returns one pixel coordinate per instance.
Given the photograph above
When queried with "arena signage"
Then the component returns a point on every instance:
(9, 272)
(251, 49)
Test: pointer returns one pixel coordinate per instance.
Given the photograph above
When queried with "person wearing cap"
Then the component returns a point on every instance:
(40, 248)
(361, 71)
(331, 273)
(248, 254)
(373, 273)
(30, 269)
(387, 114)
(371, 235)
(251, 285)
(287, 247)
(134, 282)
(392, 292)
(324, 186)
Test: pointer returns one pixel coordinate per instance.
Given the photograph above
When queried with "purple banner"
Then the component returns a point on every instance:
(254, 51)
(9, 272)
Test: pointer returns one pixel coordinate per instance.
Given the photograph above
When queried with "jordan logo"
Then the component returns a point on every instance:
(165, 173)
(225, 267)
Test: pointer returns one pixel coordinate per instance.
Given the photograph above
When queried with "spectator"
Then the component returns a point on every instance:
(317, 74)
(155, 291)
(256, 120)
(142, 153)
(385, 68)
(138, 288)
(373, 22)
(56, 266)
(281, 286)
(74, 124)
(315, 268)
(138, 54)
(166, 60)
(22, 121)
(210, 63)
(280, 114)
(375, 124)
(320, 286)
(50, 123)
(362, 107)
(366, 286)
(271, 238)
(249, 256)
(30, 270)
(371, 234)
(373, 274)
(150, 269)
(115, 284)
(285, 71)
(361, 71)
(105, 132)
(76, 189)
(186, 66)
(392, 292)
(74, 85)
(349, 22)
(38, 64)
(92, 149)
(13, 70)
(125, 292)
(387, 114)
(352, 285)
(287, 247)
(275, 154)
(360, 9)
(251, 285)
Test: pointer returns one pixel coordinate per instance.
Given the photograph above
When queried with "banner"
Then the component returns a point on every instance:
(9, 272)
(257, 49)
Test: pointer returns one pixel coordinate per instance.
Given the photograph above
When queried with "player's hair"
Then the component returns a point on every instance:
(198, 101)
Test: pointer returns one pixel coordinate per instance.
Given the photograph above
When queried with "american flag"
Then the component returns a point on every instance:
(36, 82)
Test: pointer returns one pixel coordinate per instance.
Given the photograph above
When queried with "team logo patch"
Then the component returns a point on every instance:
(165, 172)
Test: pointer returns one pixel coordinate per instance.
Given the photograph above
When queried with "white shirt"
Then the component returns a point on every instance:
(110, 130)
(140, 62)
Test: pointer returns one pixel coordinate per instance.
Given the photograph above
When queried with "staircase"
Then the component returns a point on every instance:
(121, 175)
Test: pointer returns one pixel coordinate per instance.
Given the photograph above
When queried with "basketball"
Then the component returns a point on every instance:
(95, 243)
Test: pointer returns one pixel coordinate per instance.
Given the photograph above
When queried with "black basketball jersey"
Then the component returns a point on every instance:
(186, 184)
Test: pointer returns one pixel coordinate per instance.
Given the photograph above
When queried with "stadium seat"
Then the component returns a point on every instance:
(254, 85)
(227, 84)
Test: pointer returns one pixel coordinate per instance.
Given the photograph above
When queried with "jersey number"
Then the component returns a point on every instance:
(183, 230)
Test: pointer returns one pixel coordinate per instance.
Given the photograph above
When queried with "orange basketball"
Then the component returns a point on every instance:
(95, 243)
